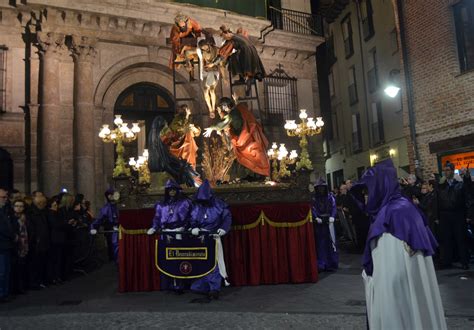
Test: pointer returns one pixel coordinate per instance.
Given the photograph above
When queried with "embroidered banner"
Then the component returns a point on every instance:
(187, 258)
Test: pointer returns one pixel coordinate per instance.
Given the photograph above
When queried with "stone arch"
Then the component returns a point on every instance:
(120, 76)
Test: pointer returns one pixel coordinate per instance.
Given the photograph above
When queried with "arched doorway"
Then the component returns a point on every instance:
(141, 103)
(6, 169)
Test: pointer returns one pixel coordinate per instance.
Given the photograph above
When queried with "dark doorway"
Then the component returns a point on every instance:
(141, 103)
(6, 170)
(338, 177)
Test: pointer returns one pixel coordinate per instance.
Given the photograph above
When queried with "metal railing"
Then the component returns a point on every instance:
(296, 21)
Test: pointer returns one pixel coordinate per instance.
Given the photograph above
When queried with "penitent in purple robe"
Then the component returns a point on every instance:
(209, 213)
(109, 217)
(172, 214)
(400, 281)
(324, 207)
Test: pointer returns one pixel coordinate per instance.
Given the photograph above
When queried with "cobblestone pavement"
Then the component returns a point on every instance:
(335, 302)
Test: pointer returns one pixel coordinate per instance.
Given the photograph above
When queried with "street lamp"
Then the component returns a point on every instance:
(393, 87)
(307, 127)
(141, 166)
(118, 136)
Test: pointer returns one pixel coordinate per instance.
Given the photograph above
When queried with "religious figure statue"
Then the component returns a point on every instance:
(183, 38)
(180, 134)
(209, 73)
(247, 140)
(162, 159)
(241, 56)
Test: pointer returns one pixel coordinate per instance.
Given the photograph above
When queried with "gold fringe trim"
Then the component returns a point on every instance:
(261, 220)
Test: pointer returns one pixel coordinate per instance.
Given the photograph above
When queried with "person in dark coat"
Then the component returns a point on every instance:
(39, 243)
(452, 212)
(428, 204)
(59, 229)
(7, 241)
(21, 225)
(68, 216)
(359, 218)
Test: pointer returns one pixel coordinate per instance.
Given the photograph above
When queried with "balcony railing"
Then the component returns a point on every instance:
(296, 21)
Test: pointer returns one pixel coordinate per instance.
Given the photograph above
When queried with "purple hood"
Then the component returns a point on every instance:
(204, 193)
(170, 184)
(392, 213)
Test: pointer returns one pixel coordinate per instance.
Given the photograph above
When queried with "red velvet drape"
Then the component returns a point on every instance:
(281, 252)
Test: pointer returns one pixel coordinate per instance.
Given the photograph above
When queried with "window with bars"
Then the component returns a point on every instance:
(394, 41)
(356, 133)
(373, 79)
(3, 77)
(353, 98)
(347, 36)
(281, 97)
(330, 49)
(367, 19)
(464, 23)
(378, 135)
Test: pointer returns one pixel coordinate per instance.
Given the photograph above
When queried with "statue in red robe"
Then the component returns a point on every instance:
(246, 136)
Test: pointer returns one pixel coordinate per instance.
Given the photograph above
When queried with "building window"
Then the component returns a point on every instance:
(347, 36)
(367, 19)
(332, 91)
(353, 99)
(328, 180)
(373, 79)
(281, 97)
(335, 126)
(356, 133)
(394, 41)
(3, 77)
(377, 123)
(338, 177)
(330, 49)
(464, 22)
(360, 172)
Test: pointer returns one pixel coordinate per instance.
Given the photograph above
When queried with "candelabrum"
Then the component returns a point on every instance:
(307, 127)
(280, 159)
(122, 133)
(141, 166)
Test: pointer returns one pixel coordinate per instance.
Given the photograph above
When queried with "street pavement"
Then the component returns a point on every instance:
(335, 302)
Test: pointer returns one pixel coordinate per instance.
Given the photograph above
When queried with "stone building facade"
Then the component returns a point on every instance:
(68, 62)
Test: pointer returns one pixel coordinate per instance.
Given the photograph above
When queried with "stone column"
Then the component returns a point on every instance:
(50, 45)
(84, 131)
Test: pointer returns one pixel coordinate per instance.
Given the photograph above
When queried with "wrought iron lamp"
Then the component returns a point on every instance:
(122, 133)
(141, 166)
(307, 127)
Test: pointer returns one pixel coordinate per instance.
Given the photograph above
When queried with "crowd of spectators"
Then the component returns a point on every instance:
(41, 239)
(447, 202)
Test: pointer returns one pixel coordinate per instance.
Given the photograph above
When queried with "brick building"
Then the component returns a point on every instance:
(438, 67)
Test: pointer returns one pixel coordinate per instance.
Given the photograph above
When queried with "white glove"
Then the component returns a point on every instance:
(115, 228)
(331, 220)
(151, 231)
(93, 231)
(319, 220)
(195, 231)
(221, 232)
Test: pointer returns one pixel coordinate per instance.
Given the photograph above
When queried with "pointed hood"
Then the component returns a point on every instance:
(171, 184)
(321, 188)
(382, 185)
(392, 213)
(204, 192)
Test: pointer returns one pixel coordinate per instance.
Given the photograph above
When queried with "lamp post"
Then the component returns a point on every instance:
(122, 133)
(307, 127)
(141, 166)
